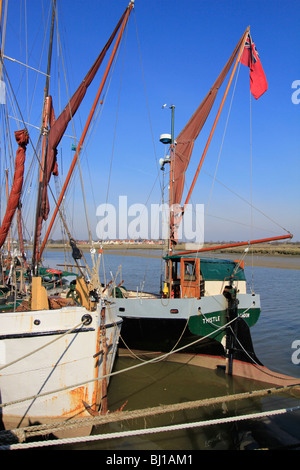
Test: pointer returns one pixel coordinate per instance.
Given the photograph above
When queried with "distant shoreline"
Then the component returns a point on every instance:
(281, 255)
(272, 249)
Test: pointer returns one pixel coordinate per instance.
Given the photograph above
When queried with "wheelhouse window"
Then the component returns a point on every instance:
(189, 270)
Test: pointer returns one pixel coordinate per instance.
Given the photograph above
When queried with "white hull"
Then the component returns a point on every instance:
(64, 370)
(147, 306)
(189, 327)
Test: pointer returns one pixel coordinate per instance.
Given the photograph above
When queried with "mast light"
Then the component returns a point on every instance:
(163, 161)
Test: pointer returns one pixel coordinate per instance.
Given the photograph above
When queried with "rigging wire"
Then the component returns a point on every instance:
(117, 114)
(84, 149)
(78, 167)
(251, 191)
(14, 106)
(39, 163)
(151, 130)
(3, 34)
(214, 179)
(224, 133)
(28, 55)
(247, 202)
(147, 103)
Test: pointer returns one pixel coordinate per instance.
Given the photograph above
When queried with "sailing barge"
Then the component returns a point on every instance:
(203, 313)
(56, 352)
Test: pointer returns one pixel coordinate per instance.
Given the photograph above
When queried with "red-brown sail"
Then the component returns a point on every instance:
(186, 139)
(57, 130)
(22, 139)
(91, 114)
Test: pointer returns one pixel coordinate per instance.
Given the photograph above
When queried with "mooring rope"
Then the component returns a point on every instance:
(143, 432)
(150, 361)
(43, 429)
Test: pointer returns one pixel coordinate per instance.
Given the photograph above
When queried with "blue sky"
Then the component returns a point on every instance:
(183, 46)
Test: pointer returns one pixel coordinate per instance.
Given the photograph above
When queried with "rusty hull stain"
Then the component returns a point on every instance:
(75, 399)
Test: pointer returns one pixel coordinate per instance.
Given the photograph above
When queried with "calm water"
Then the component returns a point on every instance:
(165, 383)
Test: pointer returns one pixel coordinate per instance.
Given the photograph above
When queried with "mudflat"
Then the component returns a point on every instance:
(273, 255)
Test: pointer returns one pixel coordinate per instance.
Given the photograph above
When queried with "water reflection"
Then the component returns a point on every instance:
(167, 383)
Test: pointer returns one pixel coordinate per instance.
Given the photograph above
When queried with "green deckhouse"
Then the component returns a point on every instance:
(190, 276)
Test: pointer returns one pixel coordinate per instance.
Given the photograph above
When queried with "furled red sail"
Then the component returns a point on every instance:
(22, 139)
(186, 139)
(58, 128)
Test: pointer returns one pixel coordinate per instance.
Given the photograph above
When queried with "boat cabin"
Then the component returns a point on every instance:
(189, 276)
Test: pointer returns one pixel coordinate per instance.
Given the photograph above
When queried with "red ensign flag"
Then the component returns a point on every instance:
(250, 58)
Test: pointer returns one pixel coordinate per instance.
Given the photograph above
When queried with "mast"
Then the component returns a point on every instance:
(7, 199)
(3, 29)
(22, 138)
(46, 111)
(171, 209)
(171, 212)
(169, 139)
(128, 11)
(1, 3)
(186, 138)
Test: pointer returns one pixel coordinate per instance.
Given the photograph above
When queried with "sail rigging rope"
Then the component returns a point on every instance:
(251, 193)
(39, 164)
(151, 131)
(224, 133)
(147, 103)
(247, 202)
(25, 65)
(214, 179)
(3, 28)
(117, 114)
(80, 157)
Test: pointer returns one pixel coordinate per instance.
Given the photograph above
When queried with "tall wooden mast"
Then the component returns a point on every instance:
(129, 8)
(46, 112)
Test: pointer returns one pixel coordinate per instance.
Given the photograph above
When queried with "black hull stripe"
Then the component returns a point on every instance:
(51, 333)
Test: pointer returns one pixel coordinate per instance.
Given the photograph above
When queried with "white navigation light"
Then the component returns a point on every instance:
(163, 161)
